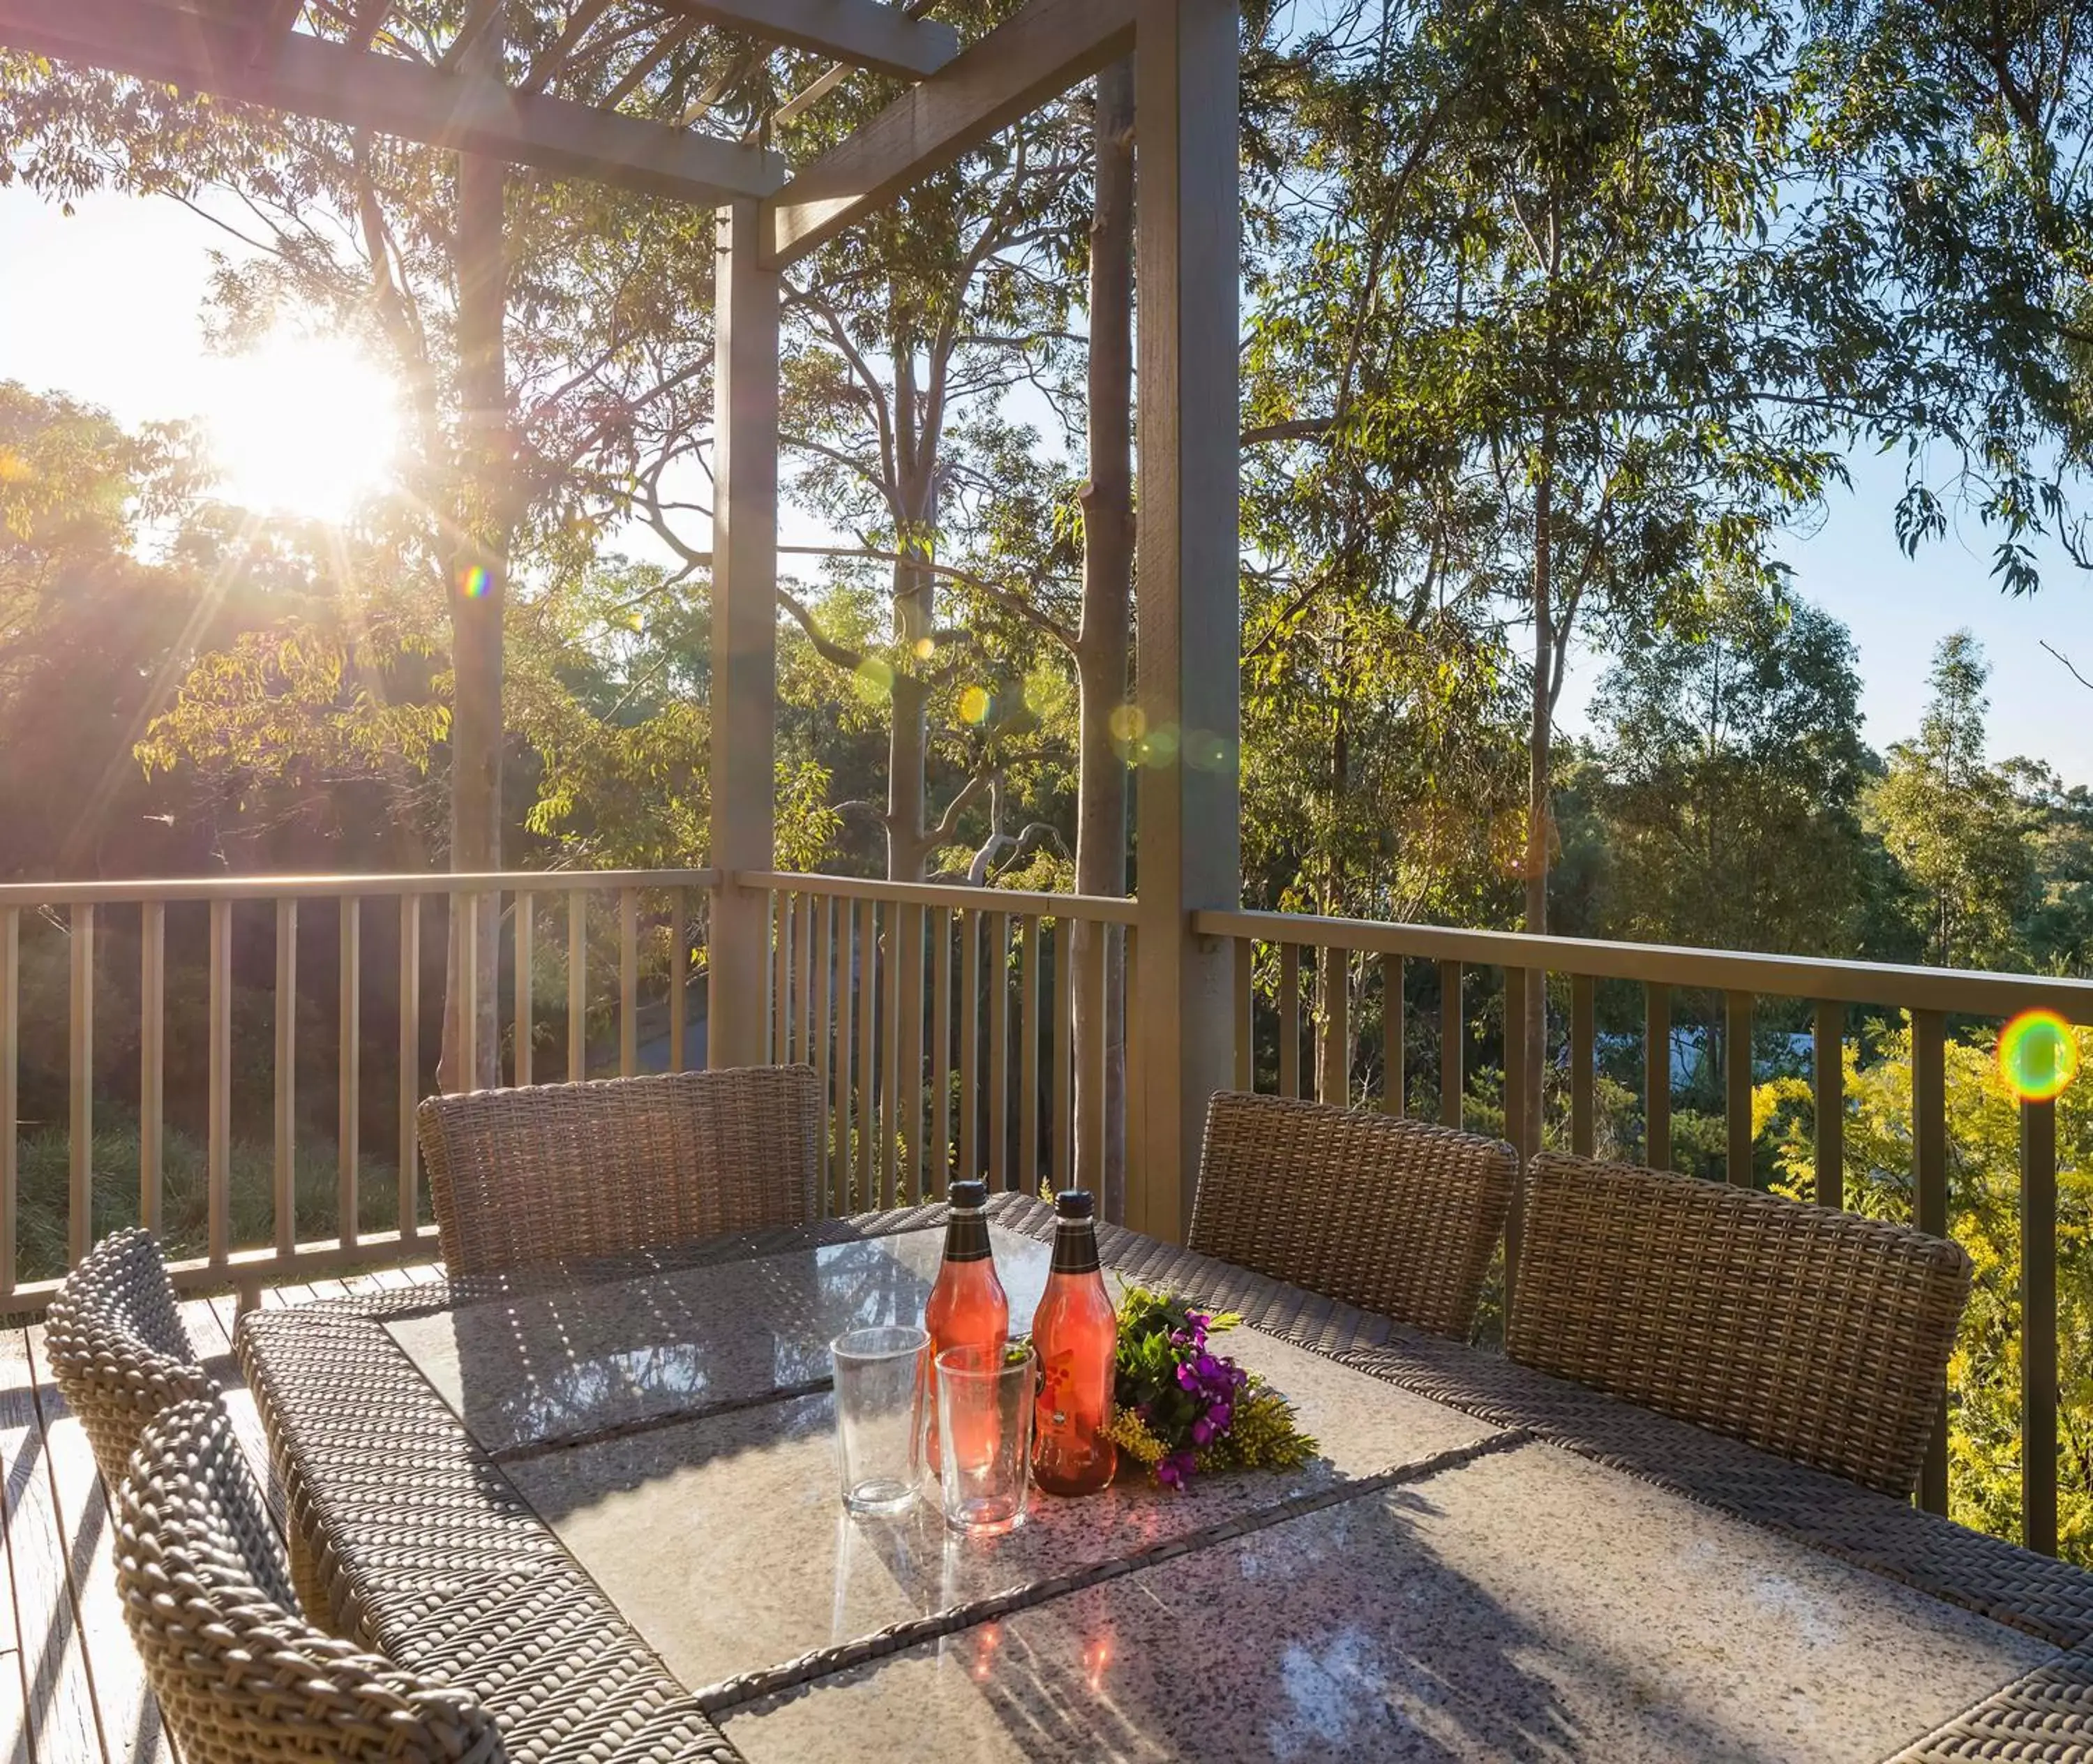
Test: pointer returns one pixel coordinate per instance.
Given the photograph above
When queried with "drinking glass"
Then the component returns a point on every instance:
(879, 1416)
(985, 1397)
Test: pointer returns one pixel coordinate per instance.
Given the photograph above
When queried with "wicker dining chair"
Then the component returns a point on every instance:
(117, 1346)
(241, 1678)
(523, 1177)
(1818, 1336)
(1397, 1216)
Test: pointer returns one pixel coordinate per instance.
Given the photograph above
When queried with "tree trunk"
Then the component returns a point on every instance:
(915, 617)
(1103, 643)
(1538, 817)
(478, 594)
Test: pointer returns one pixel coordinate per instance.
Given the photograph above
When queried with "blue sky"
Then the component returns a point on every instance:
(105, 305)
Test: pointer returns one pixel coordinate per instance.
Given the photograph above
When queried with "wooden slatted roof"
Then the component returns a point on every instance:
(355, 62)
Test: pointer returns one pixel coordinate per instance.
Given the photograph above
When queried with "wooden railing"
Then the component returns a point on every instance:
(241, 934)
(1314, 969)
(941, 1020)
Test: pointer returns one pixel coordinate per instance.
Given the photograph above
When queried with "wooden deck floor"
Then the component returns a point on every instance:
(71, 1689)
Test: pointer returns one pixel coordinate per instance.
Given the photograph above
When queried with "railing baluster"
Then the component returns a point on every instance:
(909, 976)
(152, 1059)
(1392, 1101)
(2038, 1327)
(839, 1148)
(1829, 1083)
(1334, 983)
(286, 1168)
(468, 978)
(1657, 1075)
(577, 987)
(1929, 1112)
(522, 977)
(1453, 1066)
(941, 1050)
(1584, 1061)
(628, 982)
(679, 974)
(821, 957)
(1517, 1078)
(1289, 1020)
(410, 1047)
(1027, 1174)
(890, 1053)
(1131, 1206)
(1246, 1021)
(80, 1224)
(1737, 1074)
(1062, 1134)
(969, 1165)
(868, 1052)
(1096, 951)
(802, 979)
(781, 977)
(351, 1064)
(11, 1059)
(998, 1052)
(217, 1151)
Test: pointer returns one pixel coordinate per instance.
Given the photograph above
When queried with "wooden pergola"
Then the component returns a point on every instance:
(334, 60)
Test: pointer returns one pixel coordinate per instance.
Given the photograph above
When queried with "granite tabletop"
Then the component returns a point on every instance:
(1430, 1587)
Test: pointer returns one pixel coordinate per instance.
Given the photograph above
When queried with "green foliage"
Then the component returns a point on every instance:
(1983, 1177)
(1951, 822)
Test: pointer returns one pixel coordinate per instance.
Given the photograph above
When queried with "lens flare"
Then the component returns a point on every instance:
(2038, 1055)
(472, 583)
(973, 705)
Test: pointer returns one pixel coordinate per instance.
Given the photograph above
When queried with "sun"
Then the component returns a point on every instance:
(304, 426)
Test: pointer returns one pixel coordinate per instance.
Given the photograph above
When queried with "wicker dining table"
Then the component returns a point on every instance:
(603, 1496)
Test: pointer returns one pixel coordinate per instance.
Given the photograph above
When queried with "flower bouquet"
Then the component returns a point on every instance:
(1180, 1408)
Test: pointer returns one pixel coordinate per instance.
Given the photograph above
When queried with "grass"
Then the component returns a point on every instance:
(45, 1183)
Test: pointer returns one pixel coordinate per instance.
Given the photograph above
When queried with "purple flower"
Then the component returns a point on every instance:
(1215, 1420)
(1176, 1471)
(1187, 1378)
(1203, 1429)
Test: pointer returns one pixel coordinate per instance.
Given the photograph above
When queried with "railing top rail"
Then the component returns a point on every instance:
(546, 882)
(1099, 909)
(1795, 977)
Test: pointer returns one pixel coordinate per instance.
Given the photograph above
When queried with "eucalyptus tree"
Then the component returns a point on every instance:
(531, 321)
(1535, 343)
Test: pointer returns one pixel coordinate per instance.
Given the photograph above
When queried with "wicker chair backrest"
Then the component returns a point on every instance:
(557, 1172)
(1396, 1216)
(1818, 1336)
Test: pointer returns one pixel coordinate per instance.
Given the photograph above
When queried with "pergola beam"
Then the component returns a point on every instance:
(1036, 54)
(310, 77)
(864, 32)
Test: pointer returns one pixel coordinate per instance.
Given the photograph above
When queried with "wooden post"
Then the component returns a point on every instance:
(1186, 243)
(744, 634)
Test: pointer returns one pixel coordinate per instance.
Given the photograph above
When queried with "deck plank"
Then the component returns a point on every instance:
(60, 1692)
(128, 1717)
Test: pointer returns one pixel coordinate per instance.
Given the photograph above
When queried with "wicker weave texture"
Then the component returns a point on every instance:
(1815, 1335)
(118, 1348)
(524, 1176)
(241, 1680)
(1395, 1217)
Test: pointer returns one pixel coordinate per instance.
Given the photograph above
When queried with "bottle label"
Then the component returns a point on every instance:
(966, 1235)
(1075, 1247)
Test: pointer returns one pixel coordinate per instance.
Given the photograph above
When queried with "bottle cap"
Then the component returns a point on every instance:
(1075, 1203)
(970, 1194)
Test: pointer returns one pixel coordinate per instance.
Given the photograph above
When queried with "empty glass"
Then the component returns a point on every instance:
(879, 1416)
(985, 1397)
